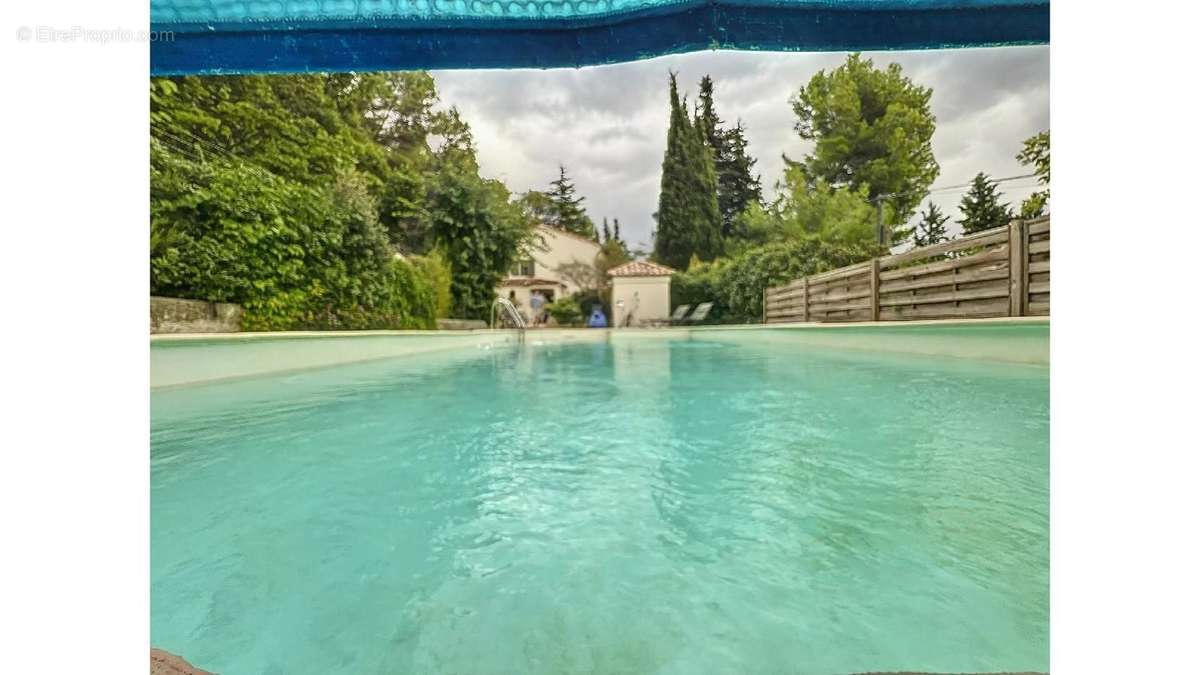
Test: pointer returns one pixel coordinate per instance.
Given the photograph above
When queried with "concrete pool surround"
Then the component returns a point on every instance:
(187, 359)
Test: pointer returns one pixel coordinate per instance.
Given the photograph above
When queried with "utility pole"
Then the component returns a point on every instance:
(879, 233)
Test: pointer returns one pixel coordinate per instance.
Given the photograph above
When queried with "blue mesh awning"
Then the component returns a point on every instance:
(257, 36)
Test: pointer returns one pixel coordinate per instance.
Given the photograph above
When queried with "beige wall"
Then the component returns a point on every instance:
(553, 247)
(646, 298)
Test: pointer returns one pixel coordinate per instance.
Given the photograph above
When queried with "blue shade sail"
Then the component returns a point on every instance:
(265, 36)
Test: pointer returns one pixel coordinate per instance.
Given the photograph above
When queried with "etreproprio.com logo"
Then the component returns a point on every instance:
(51, 34)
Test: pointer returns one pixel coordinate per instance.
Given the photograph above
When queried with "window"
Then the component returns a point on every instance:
(523, 268)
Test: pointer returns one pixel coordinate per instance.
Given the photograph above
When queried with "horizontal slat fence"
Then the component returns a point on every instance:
(999, 272)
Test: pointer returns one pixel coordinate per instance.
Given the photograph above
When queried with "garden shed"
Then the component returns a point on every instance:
(641, 293)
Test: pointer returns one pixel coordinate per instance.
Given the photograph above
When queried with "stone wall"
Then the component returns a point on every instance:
(461, 324)
(173, 315)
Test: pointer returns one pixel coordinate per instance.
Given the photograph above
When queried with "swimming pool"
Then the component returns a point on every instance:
(675, 502)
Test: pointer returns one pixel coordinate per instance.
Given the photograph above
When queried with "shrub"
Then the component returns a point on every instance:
(295, 257)
(437, 271)
(565, 311)
(736, 285)
(701, 283)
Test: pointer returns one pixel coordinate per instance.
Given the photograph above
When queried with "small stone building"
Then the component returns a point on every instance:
(641, 294)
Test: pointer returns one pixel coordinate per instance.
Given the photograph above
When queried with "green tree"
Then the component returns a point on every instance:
(872, 128)
(931, 229)
(981, 207)
(737, 185)
(806, 209)
(621, 242)
(1036, 153)
(689, 220)
(289, 194)
(481, 232)
(567, 212)
(537, 206)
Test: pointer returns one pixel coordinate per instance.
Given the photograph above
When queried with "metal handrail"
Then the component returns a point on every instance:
(513, 314)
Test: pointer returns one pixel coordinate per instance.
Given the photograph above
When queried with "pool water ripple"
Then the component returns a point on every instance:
(666, 506)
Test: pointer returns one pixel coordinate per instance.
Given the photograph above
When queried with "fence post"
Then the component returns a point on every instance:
(1018, 256)
(804, 304)
(874, 289)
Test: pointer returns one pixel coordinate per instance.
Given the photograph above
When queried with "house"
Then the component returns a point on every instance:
(641, 293)
(558, 263)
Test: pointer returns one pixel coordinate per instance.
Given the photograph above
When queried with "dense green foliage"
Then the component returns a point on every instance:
(931, 229)
(356, 201)
(1036, 153)
(481, 233)
(434, 268)
(292, 195)
(736, 285)
(805, 209)
(565, 311)
(689, 220)
(873, 129)
(737, 186)
(981, 207)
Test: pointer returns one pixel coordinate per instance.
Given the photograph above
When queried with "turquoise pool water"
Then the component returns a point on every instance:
(650, 506)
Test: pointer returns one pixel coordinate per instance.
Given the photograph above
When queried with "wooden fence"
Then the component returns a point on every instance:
(999, 272)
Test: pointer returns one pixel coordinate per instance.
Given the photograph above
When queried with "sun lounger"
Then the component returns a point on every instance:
(700, 313)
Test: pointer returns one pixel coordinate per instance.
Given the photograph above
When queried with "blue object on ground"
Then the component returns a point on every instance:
(234, 36)
(598, 320)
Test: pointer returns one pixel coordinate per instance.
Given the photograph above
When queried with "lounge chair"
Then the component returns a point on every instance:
(675, 318)
(678, 315)
(700, 313)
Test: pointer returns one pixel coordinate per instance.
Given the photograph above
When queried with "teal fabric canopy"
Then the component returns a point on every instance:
(256, 36)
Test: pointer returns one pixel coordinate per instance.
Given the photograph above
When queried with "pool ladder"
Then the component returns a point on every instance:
(510, 310)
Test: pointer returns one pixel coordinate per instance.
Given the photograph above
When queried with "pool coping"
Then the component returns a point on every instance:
(268, 335)
(186, 359)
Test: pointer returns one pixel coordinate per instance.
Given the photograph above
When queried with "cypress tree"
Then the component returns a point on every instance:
(689, 220)
(981, 207)
(607, 234)
(567, 211)
(737, 186)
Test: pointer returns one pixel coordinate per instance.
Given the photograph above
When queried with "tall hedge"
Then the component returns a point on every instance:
(294, 256)
(736, 285)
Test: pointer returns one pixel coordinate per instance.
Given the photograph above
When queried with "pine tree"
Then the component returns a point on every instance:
(567, 212)
(689, 220)
(981, 207)
(871, 127)
(737, 186)
(932, 227)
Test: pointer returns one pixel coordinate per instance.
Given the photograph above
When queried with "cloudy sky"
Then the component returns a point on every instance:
(608, 124)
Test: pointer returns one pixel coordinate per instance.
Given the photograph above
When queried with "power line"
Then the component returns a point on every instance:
(947, 188)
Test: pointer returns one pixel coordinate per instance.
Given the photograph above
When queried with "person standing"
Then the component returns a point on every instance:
(536, 302)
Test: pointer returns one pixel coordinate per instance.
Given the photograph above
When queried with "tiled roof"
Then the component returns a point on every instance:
(641, 268)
